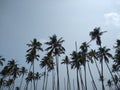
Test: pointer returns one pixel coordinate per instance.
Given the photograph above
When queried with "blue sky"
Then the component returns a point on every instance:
(23, 20)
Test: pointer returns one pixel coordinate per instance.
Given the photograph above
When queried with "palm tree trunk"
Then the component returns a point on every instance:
(68, 80)
(46, 80)
(82, 84)
(65, 85)
(92, 76)
(33, 76)
(97, 68)
(73, 84)
(111, 75)
(57, 68)
(53, 80)
(78, 87)
(85, 76)
(102, 77)
(21, 81)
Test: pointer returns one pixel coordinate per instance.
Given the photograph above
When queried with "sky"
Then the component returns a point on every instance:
(23, 20)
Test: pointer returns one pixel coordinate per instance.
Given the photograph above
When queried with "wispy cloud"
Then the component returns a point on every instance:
(112, 18)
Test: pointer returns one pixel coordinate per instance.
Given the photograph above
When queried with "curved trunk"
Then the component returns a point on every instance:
(92, 77)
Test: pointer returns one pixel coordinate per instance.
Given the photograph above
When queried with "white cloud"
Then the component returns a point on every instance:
(112, 18)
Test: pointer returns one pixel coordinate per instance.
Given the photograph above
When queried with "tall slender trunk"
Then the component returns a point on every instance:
(92, 76)
(33, 76)
(65, 85)
(82, 84)
(102, 77)
(21, 81)
(97, 68)
(85, 76)
(68, 79)
(53, 80)
(46, 80)
(111, 75)
(78, 87)
(73, 84)
(36, 84)
(57, 68)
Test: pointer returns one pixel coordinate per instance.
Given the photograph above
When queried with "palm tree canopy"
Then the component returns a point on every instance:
(103, 53)
(55, 46)
(96, 34)
(66, 60)
(47, 61)
(32, 52)
(75, 63)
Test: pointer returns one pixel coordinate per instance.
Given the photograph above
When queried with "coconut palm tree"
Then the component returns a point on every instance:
(48, 63)
(67, 62)
(83, 58)
(103, 54)
(96, 35)
(75, 64)
(32, 54)
(55, 48)
(22, 71)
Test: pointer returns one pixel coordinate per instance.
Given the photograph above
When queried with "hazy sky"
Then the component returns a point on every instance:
(23, 20)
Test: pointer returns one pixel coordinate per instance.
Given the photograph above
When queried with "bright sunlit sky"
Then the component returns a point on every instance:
(23, 20)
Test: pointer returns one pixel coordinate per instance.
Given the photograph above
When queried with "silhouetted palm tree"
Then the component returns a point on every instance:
(75, 63)
(67, 62)
(103, 54)
(48, 63)
(56, 49)
(32, 53)
(96, 35)
(83, 58)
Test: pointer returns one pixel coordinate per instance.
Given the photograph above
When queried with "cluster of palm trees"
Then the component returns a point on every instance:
(80, 59)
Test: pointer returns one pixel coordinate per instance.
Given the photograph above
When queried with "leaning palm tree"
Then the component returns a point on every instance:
(75, 64)
(103, 54)
(32, 54)
(67, 62)
(96, 35)
(55, 48)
